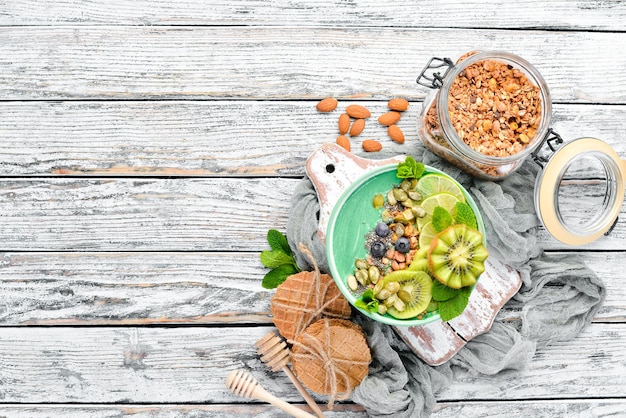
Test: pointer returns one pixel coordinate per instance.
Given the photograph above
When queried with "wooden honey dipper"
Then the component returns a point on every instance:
(243, 384)
(275, 353)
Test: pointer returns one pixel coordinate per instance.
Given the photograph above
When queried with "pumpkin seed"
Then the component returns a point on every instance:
(374, 274)
(352, 283)
(382, 309)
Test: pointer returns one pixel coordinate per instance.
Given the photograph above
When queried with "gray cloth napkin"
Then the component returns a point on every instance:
(558, 298)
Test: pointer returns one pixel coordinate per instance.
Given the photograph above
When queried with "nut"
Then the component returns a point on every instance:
(327, 105)
(344, 123)
(371, 145)
(396, 134)
(343, 142)
(398, 104)
(389, 118)
(357, 127)
(495, 108)
(358, 112)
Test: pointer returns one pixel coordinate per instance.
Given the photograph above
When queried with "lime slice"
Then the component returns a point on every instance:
(431, 184)
(445, 200)
(427, 233)
(421, 222)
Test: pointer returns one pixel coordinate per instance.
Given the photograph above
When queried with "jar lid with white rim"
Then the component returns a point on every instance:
(584, 167)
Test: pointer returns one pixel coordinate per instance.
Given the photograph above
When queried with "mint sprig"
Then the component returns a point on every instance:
(441, 219)
(410, 169)
(465, 215)
(367, 301)
(454, 306)
(279, 259)
(451, 302)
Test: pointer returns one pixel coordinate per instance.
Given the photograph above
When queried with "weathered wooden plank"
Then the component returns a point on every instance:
(177, 288)
(161, 214)
(550, 408)
(284, 62)
(170, 138)
(582, 14)
(171, 411)
(218, 214)
(181, 365)
(503, 409)
(132, 288)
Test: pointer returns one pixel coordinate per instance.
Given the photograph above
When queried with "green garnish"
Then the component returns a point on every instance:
(450, 302)
(441, 219)
(465, 215)
(367, 301)
(454, 306)
(410, 169)
(279, 259)
(442, 293)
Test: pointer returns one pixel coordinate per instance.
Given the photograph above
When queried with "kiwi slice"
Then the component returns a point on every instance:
(415, 292)
(457, 256)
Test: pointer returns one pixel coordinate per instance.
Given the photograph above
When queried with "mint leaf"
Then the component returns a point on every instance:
(418, 171)
(410, 169)
(278, 275)
(465, 215)
(278, 241)
(441, 219)
(367, 301)
(442, 293)
(454, 307)
(275, 258)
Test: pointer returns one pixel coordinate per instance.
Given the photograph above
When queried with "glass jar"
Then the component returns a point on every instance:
(486, 114)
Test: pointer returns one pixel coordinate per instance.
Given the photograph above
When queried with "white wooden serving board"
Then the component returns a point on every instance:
(332, 169)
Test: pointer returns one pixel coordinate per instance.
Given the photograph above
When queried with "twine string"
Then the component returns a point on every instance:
(314, 350)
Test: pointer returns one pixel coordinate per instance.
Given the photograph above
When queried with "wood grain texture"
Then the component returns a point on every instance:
(192, 138)
(178, 288)
(496, 409)
(581, 14)
(53, 63)
(148, 214)
(217, 214)
(172, 411)
(181, 365)
(147, 146)
(132, 288)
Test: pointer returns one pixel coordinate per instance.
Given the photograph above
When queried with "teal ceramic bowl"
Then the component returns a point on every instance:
(353, 217)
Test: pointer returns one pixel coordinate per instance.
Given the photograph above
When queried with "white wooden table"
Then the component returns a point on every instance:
(148, 146)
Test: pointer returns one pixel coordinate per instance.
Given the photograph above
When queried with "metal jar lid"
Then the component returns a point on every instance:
(580, 191)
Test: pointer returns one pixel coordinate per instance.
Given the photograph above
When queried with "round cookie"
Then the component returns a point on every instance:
(331, 357)
(302, 299)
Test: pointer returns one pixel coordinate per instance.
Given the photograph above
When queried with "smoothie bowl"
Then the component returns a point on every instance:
(406, 244)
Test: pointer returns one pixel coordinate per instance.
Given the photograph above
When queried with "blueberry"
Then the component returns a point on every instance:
(382, 229)
(403, 245)
(378, 249)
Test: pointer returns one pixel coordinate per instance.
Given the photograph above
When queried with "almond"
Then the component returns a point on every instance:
(358, 112)
(344, 123)
(343, 142)
(371, 145)
(327, 105)
(396, 134)
(357, 127)
(389, 118)
(398, 104)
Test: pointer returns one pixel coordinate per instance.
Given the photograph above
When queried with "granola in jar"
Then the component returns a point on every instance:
(492, 111)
